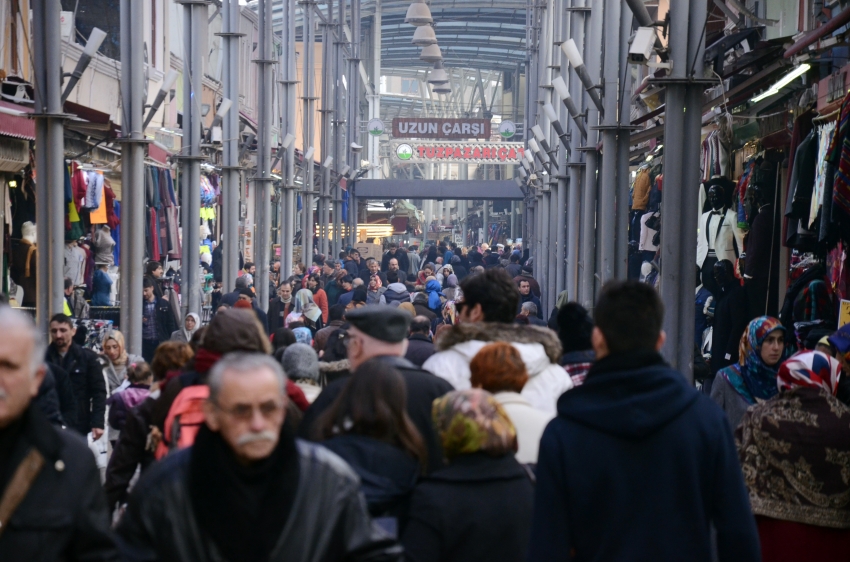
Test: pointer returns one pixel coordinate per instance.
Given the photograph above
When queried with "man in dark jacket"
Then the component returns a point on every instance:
(157, 320)
(335, 315)
(352, 264)
(381, 332)
(419, 344)
(659, 470)
(61, 512)
(526, 275)
(247, 490)
(85, 374)
(514, 269)
(280, 307)
(525, 295)
(402, 263)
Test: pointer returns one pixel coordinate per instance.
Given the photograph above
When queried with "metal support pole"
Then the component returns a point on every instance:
(354, 102)
(132, 173)
(338, 127)
(576, 166)
(262, 179)
(230, 156)
(327, 140)
(50, 157)
(291, 79)
(606, 219)
(194, 27)
(309, 35)
(593, 48)
(621, 263)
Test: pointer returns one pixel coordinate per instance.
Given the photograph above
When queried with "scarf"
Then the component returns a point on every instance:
(752, 378)
(306, 306)
(809, 369)
(242, 509)
(118, 337)
(190, 333)
(205, 359)
(434, 294)
(793, 453)
(377, 280)
(563, 298)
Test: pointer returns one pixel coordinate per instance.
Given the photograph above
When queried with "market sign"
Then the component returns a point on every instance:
(426, 152)
(432, 128)
(375, 127)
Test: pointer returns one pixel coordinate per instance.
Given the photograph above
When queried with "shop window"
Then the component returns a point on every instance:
(103, 14)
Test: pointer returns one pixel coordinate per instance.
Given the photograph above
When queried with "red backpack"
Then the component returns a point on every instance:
(184, 420)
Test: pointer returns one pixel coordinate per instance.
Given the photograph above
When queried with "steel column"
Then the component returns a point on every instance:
(621, 264)
(230, 155)
(340, 155)
(327, 140)
(262, 179)
(308, 47)
(50, 157)
(354, 103)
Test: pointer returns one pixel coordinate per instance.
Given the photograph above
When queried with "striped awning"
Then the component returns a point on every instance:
(16, 126)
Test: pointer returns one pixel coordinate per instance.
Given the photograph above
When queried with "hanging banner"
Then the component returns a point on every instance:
(430, 128)
(425, 152)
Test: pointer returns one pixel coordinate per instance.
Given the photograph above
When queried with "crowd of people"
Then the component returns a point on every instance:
(421, 406)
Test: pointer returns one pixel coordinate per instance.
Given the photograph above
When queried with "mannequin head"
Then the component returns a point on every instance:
(715, 197)
(28, 232)
(724, 272)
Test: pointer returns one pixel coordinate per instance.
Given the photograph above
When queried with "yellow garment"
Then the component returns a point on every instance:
(72, 213)
(640, 199)
(66, 309)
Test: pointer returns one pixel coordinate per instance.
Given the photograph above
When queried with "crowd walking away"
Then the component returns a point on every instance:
(420, 404)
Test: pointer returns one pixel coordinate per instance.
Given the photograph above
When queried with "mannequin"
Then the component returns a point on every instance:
(730, 316)
(23, 266)
(719, 235)
(761, 265)
(75, 263)
(103, 246)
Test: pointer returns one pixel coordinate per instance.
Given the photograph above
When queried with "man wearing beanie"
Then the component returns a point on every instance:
(381, 332)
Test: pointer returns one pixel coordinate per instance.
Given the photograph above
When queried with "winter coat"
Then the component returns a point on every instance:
(535, 286)
(334, 371)
(101, 289)
(165, 323)
(539, 348)
(422, 389)
(278, 311)
(419, 349)
(528, 422)
(122, 402)
(477, 509)
(116, 375)
(387, 473)
(47, 400)
(128, 453)
(63, 516)
(161, 519)
(396, 292)
(89, 387)
(657, 470)
(532, 299)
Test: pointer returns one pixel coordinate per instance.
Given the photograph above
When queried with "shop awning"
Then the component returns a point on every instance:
(16, 126)
(837, 21)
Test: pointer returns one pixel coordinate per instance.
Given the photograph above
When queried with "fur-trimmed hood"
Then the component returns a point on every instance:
(334, 366)
(489, 332)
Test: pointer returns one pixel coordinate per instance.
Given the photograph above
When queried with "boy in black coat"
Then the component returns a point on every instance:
(638, 465)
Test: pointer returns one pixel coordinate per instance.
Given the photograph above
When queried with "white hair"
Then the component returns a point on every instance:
(243, 362)
(15, 320)
(529, 307)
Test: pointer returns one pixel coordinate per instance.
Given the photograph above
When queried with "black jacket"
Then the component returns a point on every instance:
(730, 321)
(422, 389)
(683, 475)
(165, 324)
(419, 349)
(65, 392)
(476, 509)
(63, 515)
(88, 385)
(47, 400)
(328, 520)
(400, 256)
(130, 452)
(277, 313)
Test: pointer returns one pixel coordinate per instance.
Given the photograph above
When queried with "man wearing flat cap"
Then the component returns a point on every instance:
(381, 332)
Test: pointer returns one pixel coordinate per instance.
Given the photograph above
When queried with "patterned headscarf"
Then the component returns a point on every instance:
(809, 369)
(304, 304)
(752, 378)
(377, 280)
(471, 421)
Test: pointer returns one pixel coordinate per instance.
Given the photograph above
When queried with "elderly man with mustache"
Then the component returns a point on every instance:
(247, 489)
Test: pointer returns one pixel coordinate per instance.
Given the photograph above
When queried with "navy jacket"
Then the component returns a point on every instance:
(637, 467)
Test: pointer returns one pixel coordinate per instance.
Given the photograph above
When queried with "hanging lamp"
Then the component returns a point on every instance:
(438, 74)
(418, 14)
(424, 36)
(431, 53)
(442, 89)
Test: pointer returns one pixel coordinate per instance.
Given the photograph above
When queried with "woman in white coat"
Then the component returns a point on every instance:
(499, 369)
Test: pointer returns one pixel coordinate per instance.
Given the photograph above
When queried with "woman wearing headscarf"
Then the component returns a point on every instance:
(117, 360)
(306, 311)
(436, 298)
(190, 325)
(795, 456)
(479, 506)
(762, 350)
(451, 292)
(375, 294)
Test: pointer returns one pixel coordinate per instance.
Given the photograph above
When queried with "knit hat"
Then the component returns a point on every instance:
(300, 361)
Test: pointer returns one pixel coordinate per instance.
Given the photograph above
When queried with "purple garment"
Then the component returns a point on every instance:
(122, 402)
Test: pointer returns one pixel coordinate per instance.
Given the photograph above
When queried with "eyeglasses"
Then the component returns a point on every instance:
(245, 412)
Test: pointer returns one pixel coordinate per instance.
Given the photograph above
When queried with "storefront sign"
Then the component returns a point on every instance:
(375, 127)
(427, 128)
(507, 129)
(422, 152)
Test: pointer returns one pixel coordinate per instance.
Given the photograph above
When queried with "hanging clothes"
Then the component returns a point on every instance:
(94, 190)
(824, 138)
(839, 156)
(116, 233)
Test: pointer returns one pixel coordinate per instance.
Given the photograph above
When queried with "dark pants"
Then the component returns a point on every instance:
(707, 271)
(148, 349)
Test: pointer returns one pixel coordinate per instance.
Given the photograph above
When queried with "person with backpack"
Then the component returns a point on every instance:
(247, 490)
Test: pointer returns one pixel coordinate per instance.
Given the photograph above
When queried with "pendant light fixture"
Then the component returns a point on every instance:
(431, 53)
(424, 36)
(418, 14)
(438, 74)
(442, 89)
